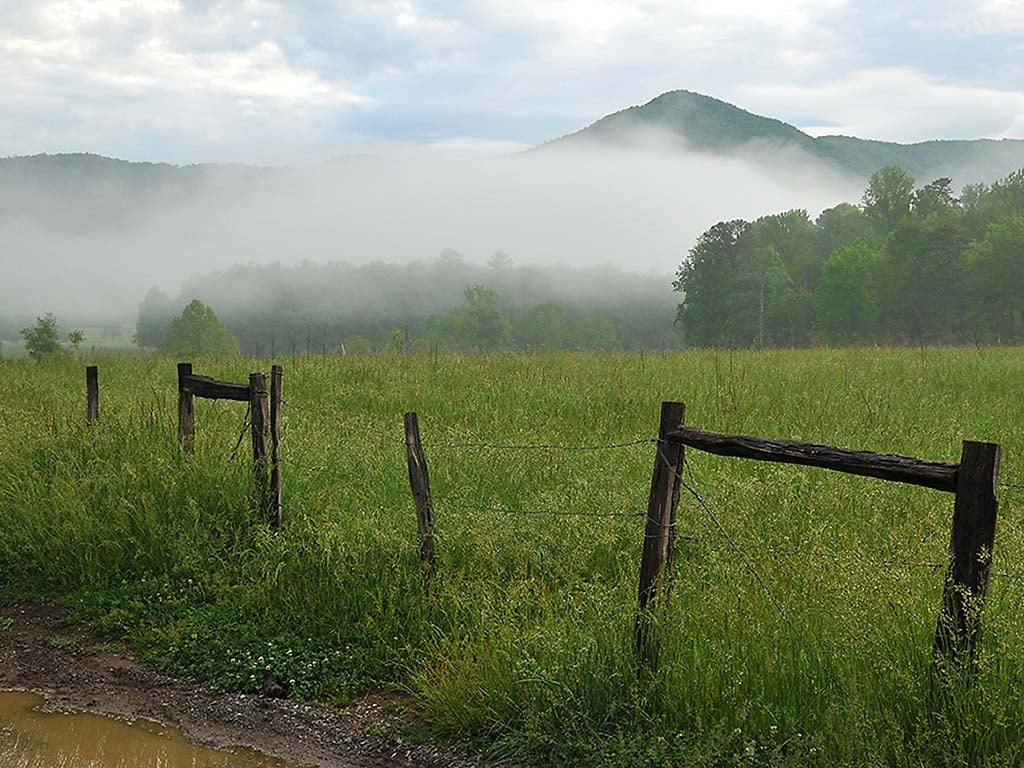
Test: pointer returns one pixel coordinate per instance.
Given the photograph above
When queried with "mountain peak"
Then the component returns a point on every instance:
(706, 124)
(701, 122)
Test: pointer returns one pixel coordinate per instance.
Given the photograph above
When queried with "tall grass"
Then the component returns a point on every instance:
(525, 649)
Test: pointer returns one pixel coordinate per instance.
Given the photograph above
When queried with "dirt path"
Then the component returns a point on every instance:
(74, 669)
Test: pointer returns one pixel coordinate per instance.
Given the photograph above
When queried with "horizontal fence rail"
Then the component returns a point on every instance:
(205, 386)
(940, 475)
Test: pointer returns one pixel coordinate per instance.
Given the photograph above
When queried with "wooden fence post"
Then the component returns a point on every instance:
(92, 394)
(260, 416)
(660, 532)
(970, 550)
(186, 410)
(276, 381)
(419, 482)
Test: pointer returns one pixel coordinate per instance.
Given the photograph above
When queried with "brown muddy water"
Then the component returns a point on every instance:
(33, 738)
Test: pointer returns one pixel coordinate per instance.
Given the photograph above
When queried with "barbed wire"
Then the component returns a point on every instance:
(725, 534)
(538, 446)
(501, 509)
(246, 423)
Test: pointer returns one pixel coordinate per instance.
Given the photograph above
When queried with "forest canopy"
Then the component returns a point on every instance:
(908, 265)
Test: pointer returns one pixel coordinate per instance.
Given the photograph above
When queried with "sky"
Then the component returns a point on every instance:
(269, 81)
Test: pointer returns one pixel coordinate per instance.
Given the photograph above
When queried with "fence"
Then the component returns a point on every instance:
(264, 417)
(973, 482)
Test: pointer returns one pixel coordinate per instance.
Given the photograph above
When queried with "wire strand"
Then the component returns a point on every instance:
(725, 534)
(241, 433)
(538, 446)
(460, 504)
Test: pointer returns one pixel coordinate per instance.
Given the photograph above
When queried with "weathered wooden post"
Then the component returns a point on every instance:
(276, 381)
(260, 411)
(660, 532)
(92, 394)
(419, 482)
(970, 550)
(186, 410)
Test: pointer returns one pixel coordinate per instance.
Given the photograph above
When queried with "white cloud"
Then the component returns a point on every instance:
(1000, 16)
(593, 30)
(188, 80)
(896, 104)
(102, 71)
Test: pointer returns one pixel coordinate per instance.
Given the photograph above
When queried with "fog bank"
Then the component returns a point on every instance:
(85, 237)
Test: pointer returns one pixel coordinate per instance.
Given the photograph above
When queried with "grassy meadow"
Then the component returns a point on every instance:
(525, 649)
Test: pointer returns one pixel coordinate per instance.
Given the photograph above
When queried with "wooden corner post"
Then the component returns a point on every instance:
(660, 532)
(419, 482)
(92, 394)
(260, 410)
(186, 410)
(970, 552)
(276, 381)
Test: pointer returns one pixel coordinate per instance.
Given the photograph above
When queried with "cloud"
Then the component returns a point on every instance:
(115, 75)
(105, 75)
(295, 80)
(894, 104)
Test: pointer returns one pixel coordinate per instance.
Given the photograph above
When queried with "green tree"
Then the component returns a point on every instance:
(848, 302)
(935, 198)
(593, 331)
(42, 339)
(924, 289)
(709, 280)
(843, 224)
(995, 278)
(197, 331)
(75, 338)
(486, 323)
(888, 197)
(542, 326)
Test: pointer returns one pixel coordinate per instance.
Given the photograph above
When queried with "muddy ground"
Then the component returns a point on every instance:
(76, 670)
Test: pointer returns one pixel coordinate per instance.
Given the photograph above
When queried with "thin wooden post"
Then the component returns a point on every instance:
(260, 416)
(660, 532)
(92, 394)
(186, 410)
(419, 482)
(970, 552)
(276, 381)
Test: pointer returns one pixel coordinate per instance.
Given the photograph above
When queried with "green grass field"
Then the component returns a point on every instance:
(525, 650)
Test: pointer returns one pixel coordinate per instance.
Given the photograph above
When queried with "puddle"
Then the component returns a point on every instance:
(30, 738)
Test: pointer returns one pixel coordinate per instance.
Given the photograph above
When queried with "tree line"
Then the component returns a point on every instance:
(908, 265)
(447, 305)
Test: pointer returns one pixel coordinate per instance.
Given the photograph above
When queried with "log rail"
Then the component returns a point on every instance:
(939, 475)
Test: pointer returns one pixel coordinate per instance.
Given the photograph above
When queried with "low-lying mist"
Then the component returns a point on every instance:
(84, 237)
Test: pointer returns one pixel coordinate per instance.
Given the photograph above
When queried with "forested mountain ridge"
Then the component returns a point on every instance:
(711, 125)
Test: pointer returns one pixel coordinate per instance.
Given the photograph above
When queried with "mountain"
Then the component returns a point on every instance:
(711, 125)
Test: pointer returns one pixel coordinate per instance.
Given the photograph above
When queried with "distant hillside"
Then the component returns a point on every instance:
(80, 192)
(712, 125)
